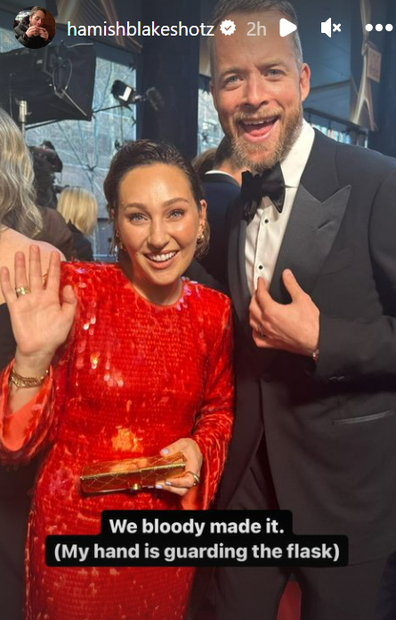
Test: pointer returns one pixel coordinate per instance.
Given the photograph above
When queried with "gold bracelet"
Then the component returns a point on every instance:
(26, 382)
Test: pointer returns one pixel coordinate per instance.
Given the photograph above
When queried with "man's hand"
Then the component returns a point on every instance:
(32, 31)
(293, 327)
(43, 33)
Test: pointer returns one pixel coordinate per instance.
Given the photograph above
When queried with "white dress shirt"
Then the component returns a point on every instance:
(264, 234)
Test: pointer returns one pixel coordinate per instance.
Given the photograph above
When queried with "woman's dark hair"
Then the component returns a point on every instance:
(146, 153)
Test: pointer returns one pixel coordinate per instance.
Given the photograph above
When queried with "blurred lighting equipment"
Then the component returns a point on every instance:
(126, 95)
(53, 83)
(123, 93)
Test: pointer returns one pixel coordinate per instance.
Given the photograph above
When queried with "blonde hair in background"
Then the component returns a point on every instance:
(17, 194)
(79, 206)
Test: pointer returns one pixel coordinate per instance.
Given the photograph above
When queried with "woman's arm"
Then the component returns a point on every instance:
(206, 449)
(213, 426)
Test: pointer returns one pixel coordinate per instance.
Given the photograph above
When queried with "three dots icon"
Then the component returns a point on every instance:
(379, 27)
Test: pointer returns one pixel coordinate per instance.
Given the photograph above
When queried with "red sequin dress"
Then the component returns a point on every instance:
(133, 378)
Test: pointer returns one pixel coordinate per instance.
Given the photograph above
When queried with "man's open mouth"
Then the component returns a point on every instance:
(258, 128)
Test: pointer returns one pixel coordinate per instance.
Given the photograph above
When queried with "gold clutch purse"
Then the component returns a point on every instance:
(130, 474)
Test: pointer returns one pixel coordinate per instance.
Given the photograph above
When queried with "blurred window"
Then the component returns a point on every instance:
(86, 147)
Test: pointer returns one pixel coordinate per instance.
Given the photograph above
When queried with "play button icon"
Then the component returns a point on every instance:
(286, 27)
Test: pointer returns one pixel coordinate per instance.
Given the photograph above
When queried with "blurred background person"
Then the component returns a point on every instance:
(20, 221)
(224, 167)
(79, 209)
(221, 185)
(54, 228)
(204, 162)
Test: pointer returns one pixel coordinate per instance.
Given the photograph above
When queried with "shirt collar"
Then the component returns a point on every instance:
(214, 171)
(293, 165)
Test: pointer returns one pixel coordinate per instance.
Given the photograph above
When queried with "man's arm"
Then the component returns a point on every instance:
(20, 34)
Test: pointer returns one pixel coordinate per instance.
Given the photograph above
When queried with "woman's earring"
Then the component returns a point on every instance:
(118, 241)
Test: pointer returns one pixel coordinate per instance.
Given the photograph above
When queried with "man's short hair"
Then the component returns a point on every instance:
(225, 7)
(37, 8)
(223, 153)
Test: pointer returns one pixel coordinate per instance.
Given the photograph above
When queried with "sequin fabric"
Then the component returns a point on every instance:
(133, 378)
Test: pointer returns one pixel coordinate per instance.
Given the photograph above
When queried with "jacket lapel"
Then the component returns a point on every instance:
(237, 280)
(317, 213)
(308, 239)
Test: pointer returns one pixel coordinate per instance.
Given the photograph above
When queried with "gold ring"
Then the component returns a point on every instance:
(197, 479)
(22, 290)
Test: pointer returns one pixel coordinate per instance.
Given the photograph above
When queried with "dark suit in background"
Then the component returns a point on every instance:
(56, 232)
(82, 245)
(221, 189)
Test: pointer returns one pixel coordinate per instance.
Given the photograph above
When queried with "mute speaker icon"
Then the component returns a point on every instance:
(326, 27)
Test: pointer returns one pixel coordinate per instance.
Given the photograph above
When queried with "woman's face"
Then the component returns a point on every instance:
(159, 223)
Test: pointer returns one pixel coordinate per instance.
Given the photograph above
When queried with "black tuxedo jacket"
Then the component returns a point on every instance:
(330, 429)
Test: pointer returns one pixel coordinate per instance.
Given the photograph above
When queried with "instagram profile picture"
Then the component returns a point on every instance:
(34, 27)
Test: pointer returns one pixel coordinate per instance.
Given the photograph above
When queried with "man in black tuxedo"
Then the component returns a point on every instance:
(315, 420)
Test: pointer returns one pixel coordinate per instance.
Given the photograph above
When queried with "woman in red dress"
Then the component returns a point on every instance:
(146, 369)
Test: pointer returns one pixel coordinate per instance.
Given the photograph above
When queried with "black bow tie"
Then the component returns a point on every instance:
(271, 183)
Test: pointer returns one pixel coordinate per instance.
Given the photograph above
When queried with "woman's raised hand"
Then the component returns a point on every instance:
(40, 320)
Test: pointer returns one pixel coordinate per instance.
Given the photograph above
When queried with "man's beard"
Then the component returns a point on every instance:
(245, 154)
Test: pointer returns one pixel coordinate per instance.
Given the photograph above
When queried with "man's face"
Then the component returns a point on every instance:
(37, 19)
(258, 89)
